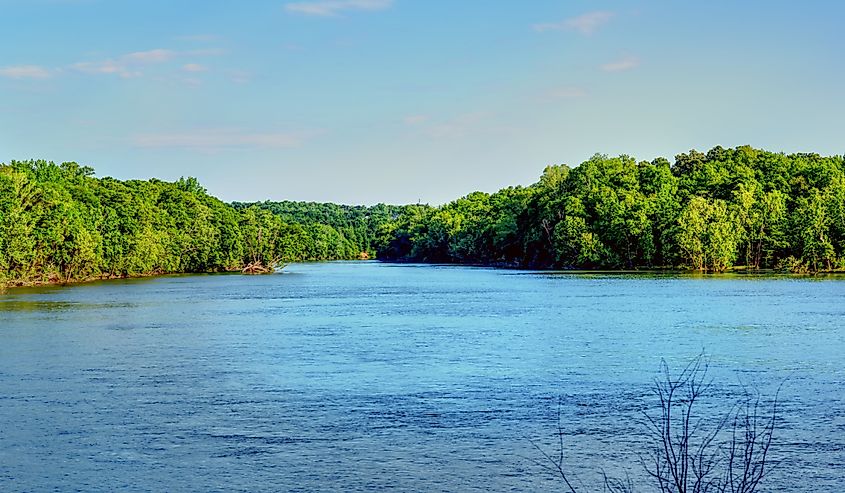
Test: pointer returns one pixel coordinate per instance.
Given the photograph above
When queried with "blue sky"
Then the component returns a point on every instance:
(365, 101)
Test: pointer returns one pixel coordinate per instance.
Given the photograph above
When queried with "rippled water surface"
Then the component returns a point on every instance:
(362, 376)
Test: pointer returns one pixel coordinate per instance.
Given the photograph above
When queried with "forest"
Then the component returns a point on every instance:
(739, 208)
(58, 223)
(358, 226)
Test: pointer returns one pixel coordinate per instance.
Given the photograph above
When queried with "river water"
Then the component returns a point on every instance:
(355, 376)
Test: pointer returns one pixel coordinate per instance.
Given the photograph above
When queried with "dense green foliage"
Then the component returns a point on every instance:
(713, 211)
(59, 223)
(351, 229)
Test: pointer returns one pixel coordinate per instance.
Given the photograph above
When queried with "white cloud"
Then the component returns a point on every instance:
(334, 7)
(214, 140)
(585, 24)
(130, 64)
(194, 67)
(622, 64)
(150, 56)
(108, 67)
(25, 72)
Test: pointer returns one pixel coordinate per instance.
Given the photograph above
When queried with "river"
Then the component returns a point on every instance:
(355, 376)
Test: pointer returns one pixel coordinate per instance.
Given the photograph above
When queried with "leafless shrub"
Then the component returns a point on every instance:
(693, 453)
(555, 464)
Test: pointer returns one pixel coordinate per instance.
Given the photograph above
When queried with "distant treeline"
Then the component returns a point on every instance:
(713, 211)
(58, 223)
(355, 229)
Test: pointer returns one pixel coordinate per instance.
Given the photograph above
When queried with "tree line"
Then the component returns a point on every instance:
(706, 211)
(59, 223)
(359, 226)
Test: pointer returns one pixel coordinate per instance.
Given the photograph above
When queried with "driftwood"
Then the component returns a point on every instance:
(259, 267)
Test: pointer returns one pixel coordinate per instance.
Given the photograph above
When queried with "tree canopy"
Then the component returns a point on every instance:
(707, 211)
(58, 223)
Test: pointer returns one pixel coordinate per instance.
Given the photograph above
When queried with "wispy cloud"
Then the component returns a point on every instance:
(334, 7)
(131, 64)
(214, 140)
(194, 67)
(621, 65)
(585, 24)
(25, 72)
(107, 67)
(158, 55)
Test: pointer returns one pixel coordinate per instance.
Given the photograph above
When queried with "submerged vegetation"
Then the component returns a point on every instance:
(706, 211)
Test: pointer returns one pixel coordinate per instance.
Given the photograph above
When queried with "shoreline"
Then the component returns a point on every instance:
(741, 271)
(15, 284)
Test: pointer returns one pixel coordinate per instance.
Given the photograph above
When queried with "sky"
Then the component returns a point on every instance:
(406, 101)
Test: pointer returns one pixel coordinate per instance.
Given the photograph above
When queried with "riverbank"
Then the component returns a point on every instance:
(57, 281)
(734, 271)
(739, 269)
